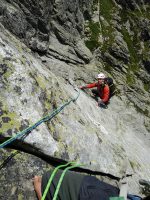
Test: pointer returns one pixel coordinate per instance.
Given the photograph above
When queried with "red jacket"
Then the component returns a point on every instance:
(103, 91)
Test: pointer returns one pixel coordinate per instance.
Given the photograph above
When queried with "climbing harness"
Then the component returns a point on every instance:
(44, 119)
(73, 165)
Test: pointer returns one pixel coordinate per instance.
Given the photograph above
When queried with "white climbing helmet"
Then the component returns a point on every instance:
(101, 76)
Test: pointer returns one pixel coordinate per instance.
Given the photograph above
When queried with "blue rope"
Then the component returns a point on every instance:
(44, 119)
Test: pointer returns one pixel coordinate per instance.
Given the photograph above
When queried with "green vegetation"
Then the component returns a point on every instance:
(147, 86)
(20, 197)
(130, 79)
(145, 51)
(93, 42)
(107, 36)
(140, 13)
(133, 42)
(138, 50)
(107, 67)
(134, 164)
(10, 68)
(132, 46)
(106, 9)
(41, 81)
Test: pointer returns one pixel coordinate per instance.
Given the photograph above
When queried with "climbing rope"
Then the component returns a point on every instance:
(61, 179)
(15, 152)
(4, 163)
(51, 178)
(73, 165)
(44, 119)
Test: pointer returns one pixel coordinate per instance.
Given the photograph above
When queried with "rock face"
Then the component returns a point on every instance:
(44, 25)
(29, 21)
(125, 48)
(43, 59)
(13, 176)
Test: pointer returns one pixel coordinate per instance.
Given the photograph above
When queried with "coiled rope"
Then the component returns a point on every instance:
(44, 119)
(61, 179)
(73, 165)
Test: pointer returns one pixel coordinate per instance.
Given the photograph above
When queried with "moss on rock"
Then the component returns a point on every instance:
(93, 40)
(8, 120)
(106, 9)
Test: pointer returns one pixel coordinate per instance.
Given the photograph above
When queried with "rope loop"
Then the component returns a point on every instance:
(73, 165)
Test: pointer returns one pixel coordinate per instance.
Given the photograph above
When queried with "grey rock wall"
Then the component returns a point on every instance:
(125, 49)
(28, 20)
(101, 139)
(44, 25)
(132, 4)
(43, 57)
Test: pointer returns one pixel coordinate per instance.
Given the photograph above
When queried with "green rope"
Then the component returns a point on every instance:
(73, 165)
(61, 179)
(51, 178)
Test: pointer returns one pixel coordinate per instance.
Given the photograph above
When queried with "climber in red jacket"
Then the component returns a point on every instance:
(102, 90)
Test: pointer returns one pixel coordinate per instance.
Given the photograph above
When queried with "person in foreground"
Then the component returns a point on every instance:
(76, 186)
(102, 91)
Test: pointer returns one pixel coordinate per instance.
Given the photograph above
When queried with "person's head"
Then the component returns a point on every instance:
(101, 78)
